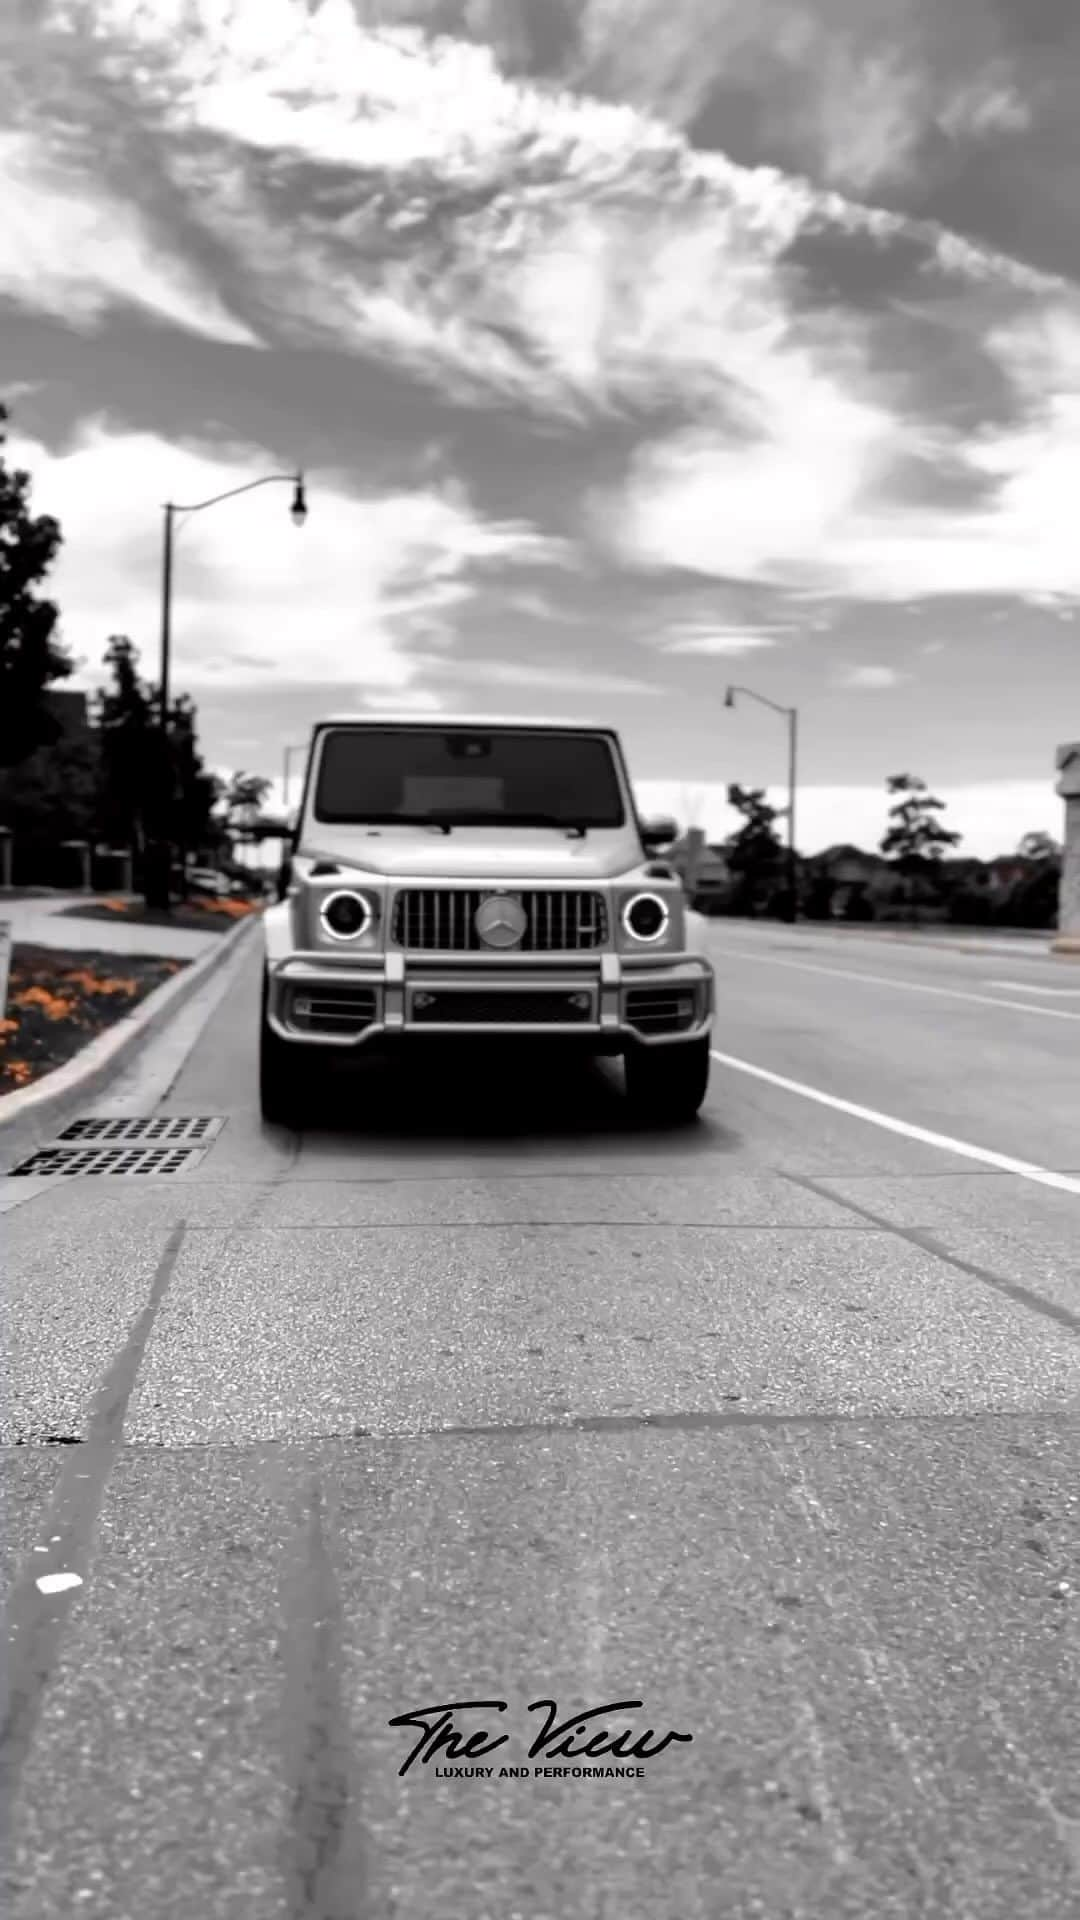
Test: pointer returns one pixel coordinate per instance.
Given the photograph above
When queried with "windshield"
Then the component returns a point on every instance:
(423, 777)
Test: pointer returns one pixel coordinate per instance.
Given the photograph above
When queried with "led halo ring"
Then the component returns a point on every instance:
(646, 939)
(345, 893)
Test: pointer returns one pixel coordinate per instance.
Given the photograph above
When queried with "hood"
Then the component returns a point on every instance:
(521, 854)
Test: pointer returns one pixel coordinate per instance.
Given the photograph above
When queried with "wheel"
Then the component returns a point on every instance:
(667, 1085)
(282, 1076)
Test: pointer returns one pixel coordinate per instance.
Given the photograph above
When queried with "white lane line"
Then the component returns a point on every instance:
(902, 986)
(1004, 1162)
(1025, 986)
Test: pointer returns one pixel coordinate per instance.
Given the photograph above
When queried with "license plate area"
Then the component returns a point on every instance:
(487, 1003)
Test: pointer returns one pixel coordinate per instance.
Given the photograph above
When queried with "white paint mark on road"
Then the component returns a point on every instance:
(1025, 1169)
(58, 1582)
(899, 986)
(1025, 986)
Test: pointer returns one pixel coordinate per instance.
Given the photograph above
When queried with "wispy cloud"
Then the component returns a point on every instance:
(853, 88)
(390, 192)
(69, 248)
(699, 637)
(406, 700)
(871, 677)
(820, 501)
(557, 678)
(741, 394)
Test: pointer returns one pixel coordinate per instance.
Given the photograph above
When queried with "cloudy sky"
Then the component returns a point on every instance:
(630, 346)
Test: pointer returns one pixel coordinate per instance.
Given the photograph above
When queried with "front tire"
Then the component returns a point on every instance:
(282, 1079)
(666, 1086)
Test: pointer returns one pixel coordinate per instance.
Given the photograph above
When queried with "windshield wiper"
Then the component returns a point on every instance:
(458, 818)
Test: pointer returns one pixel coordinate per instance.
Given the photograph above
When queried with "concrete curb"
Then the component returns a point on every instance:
(1020, 945)
(39, 1112)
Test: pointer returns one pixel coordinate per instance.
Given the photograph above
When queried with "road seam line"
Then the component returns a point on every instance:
(924, 1241)
(37, 1615)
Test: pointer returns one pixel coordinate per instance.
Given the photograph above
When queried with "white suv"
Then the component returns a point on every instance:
(475, 877)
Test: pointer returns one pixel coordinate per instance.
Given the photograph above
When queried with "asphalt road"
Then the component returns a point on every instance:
(477, 1394)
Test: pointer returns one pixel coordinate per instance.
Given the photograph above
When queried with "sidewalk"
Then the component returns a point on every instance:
(40, 922)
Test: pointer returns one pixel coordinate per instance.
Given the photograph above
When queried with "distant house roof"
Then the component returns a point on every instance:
(850, 856)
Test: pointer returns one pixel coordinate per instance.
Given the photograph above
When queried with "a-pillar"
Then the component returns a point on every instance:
(1068, 785)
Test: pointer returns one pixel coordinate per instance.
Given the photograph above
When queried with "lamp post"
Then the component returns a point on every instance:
(792, 718)
(298, 512)
(171, 510)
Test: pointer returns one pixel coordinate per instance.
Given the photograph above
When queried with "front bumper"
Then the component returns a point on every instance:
(607, 1000)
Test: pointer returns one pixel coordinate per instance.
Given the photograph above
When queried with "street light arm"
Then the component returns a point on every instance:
(268, 479)
(764, 700)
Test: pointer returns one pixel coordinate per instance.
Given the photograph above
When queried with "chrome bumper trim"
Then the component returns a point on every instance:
(605, 977)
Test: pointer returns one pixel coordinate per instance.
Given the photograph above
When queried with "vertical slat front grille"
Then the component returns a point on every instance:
(440, 920)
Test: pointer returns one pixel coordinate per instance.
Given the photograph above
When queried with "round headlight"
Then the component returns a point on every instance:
(345, 915)
(646, 916)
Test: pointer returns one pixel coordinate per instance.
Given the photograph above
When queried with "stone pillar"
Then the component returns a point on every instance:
(695, 848)
(1068, 785)
(82, 849)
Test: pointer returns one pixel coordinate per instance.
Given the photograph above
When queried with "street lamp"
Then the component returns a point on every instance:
(298, 513)
(792, 717)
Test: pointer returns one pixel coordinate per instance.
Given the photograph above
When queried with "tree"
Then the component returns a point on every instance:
(1032, 900)
(916, 839)
(31, 656)
(242, 801)
(50, 797)
(240, 807)
(198, 792)
(754, 853)
(155, 790)
(1038, 846)
(130, 745)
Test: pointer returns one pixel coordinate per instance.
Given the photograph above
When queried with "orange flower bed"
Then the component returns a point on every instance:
(90, 983)
(58, 1001)
(232, 909)
(53, 1005)
(203, 913)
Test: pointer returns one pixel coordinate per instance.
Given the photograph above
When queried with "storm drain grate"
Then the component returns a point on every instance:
(175, 1128)
(48, 1162)
(162, 1143)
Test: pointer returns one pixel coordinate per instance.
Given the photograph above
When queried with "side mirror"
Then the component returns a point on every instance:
(659, 831)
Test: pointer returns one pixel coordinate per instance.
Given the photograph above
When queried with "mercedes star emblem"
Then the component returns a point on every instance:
(500, 920)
